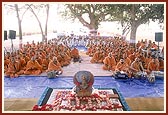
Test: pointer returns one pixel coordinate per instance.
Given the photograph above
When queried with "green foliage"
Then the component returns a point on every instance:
(95, 13)
(124, 13)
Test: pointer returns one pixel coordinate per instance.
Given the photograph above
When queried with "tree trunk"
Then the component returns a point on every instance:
(93, 26)
(42, 33)
(134, 27)
(47, 10)
(20, 26)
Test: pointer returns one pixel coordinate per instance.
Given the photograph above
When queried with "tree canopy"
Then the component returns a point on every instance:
(129, 15)
(90, 15)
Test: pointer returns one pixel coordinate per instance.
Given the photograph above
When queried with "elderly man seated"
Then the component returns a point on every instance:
(137, 68)
(54, 68)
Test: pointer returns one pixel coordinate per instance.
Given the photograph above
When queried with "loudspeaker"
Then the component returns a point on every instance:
(5, 35)
(159, 36)
(12, 34)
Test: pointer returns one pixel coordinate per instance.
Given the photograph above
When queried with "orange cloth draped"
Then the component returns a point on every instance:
(22, 63)
(153, 66)
(74, 53)
(135, 66)
(97, 58)
(161, 65)
(6, 64)
(122, 67)
(53, 66)
(63, 60)
(33, 67)
(109, 63)
(45, 63)
(147, 60)
(128, 61)
(132, 57)
(14, 69)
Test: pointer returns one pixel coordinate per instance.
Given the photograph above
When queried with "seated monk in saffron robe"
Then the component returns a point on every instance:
(33, 67)
(147, 60)
(75, 54)
(39, 58)
(102, 56)
(89, 51)
(22, 62)
(14, 69)
(132, 57)
(109, 62)
(25, 57)
(93, 50)
(68, 51)
(63, 59)
(45, 62)
(161, 64)
(97, 57)
(153, 65)
(136, 67)
(127, 59)
(67, 58)
(54, 65)
(6, 63)
(60, 59)
(122, 66)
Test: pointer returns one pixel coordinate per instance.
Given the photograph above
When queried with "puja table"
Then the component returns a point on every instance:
(66, 100)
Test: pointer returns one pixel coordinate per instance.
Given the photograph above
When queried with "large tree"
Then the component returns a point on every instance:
(142, 14)
(131, 16)
(90, 15)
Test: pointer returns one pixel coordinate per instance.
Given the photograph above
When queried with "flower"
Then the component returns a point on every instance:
(36, 108)
(47, 107)
(75, 102)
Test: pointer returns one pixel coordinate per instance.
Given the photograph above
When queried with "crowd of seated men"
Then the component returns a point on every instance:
(36, 58)
(115, 53)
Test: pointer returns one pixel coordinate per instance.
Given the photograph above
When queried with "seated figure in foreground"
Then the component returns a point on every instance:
(33, 67)
(137, 68)
(97, 57)
(122, 68)
(153, 65)
(14, 69)
(109, 63)
(75, 55)
(54, 68)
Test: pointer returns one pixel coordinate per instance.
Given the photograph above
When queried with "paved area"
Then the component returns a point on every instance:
(95, 69)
